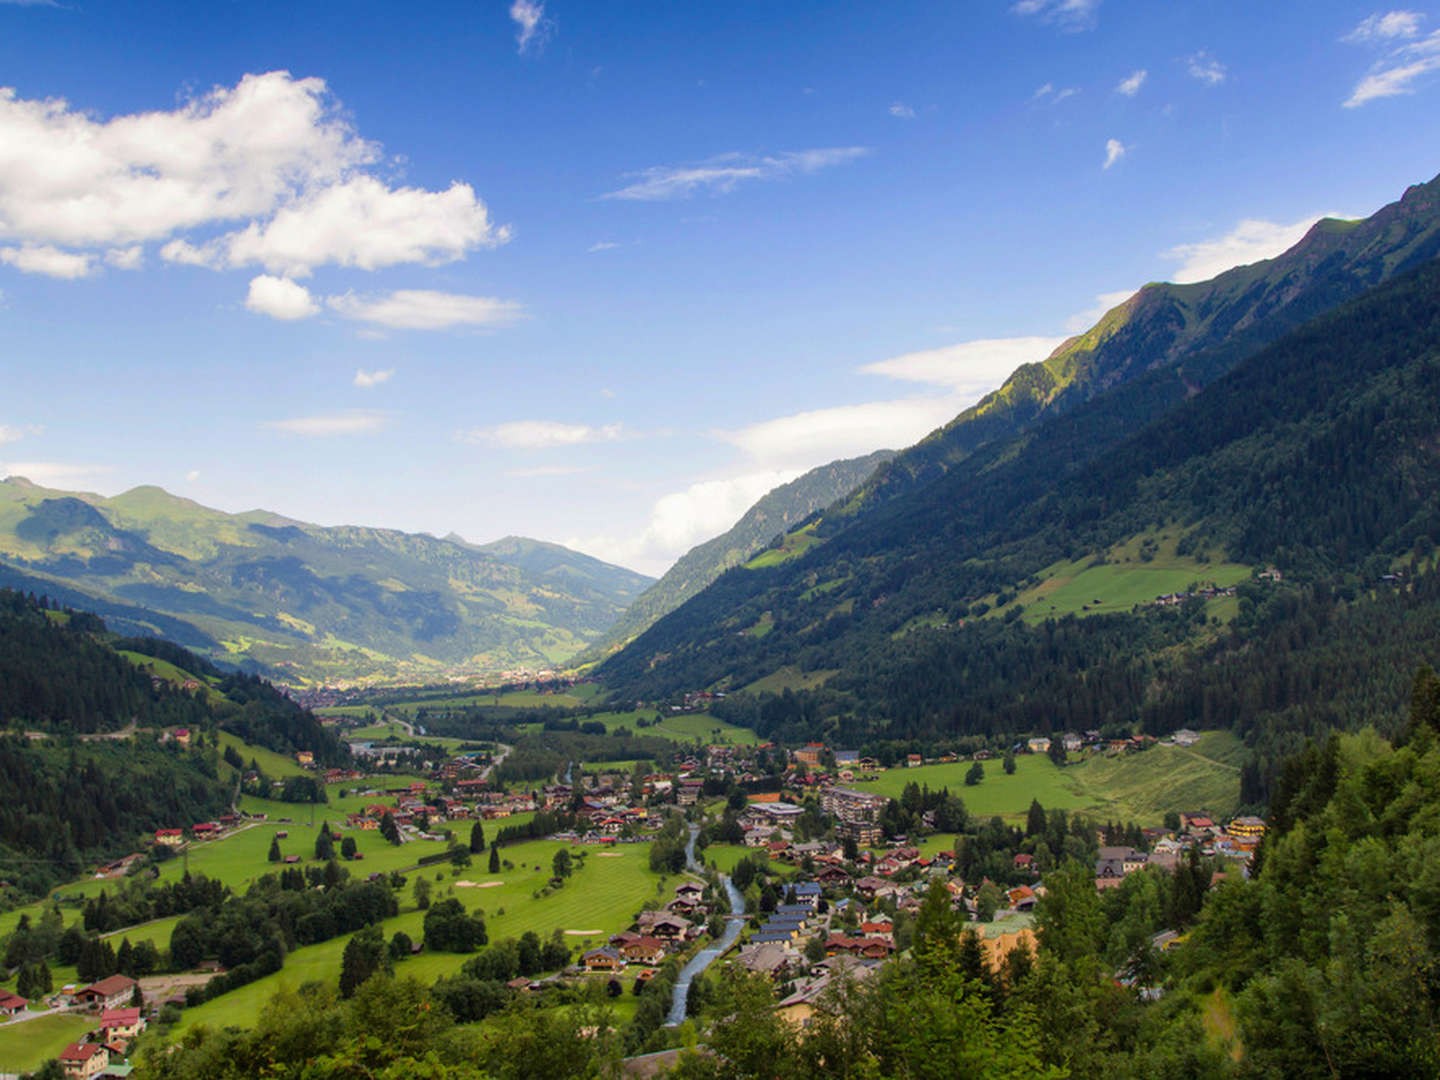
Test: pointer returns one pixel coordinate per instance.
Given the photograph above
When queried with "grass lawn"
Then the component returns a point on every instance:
(1137, 787)
(603, 896)
(791, 547)
(679, 727)
(276, 766)
(28, 1045)
(788, 678)
(725, 856)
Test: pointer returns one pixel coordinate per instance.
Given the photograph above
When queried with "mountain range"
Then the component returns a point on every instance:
(305, 603)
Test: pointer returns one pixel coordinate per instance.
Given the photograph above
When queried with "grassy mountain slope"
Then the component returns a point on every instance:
(778, 510)
(304, 602)
(1317, 455)
(1165, 325)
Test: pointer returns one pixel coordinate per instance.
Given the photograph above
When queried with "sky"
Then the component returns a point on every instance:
(603, 274)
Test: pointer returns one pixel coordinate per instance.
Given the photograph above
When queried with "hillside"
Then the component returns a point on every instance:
(777, 511)
(1315, 455)
(302, 602)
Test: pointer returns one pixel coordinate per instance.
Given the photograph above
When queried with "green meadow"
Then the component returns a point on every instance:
(602, 898)
(28, 1045)
(679, 727)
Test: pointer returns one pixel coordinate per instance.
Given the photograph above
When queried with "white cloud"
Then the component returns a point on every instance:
(723, 174)
(807, 439)
(1206, 68)
(1047, 88)
(47, 260)
(1391, 26)
(1114, 151)
(681, 519)
(422, 309)
(1397, 71)
(1084, 320)
(535, 29)
(51, 473)
(603, 245)
(1130, 86)
(1068, 15)
(543, 434)
(971, 368)
(549, 470)
(192, 476)
(273, 157)
(1054, 96)
(280, 298)
(127, 258)
(1249, 241)
(349, 422)
(903, 111)
(368, 379)
(11, 433)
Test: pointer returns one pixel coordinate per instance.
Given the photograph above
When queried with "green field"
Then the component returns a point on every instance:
(276, 766)
(1138, 787)
(28, 1045)
(1121, 578)
(792, 546)
(788, 678)
(604, 895)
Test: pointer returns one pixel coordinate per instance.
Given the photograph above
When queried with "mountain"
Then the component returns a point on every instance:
(1164, 325)
(776, 512)
(1017, 593)
(302, 602)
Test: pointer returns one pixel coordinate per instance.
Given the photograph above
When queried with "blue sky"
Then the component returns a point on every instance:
(603, 274)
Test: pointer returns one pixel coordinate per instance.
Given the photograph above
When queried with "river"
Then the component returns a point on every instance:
(706, 956)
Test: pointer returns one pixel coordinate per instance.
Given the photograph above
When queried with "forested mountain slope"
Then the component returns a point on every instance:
(1317, 455)
(307, 603)
(778, 510)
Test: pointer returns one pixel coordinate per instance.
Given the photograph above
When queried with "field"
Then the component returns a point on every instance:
(603, 895)
(788, 678)
(678, 727)
(1122, 578)
(276, 766)
(1138, 787)
(28, 1045)
(792, 547)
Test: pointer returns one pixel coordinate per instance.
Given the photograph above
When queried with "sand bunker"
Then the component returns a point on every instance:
(608, 854)
(477, 884)
(583, 933)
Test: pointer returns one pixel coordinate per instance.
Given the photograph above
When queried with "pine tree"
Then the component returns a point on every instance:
(477, 837)
(275, 855)
(494, 859)
(324, 844)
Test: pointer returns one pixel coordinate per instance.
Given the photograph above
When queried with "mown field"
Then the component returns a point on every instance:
(31, 1043)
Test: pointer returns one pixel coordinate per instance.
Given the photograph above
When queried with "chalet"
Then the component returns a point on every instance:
(121, 1023)
(663, 925)
(205, 828)
(868, 886)
(305, 759)
(84, 1060)
(170, 837)
(809, 892)
(914, 761)
(1072, 742)
(1024, 861)
(1022, 898)
(1039, 745)
(645, 950)
(182, 736)
(810, 753)
(11, 1005)
(604, 958)
(1185, 737)
(1247, 828)
(767, 958)
(689, 792)
(108, 993)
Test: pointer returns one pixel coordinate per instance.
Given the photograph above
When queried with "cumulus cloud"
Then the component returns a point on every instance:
(1053, 96)
(971, 368)
(14, 433)
(271, 158)
(54, 473)
(543, 434)
(548, 470)
(1068, 15)
(1397, 72)
(804, 440)
(1130, 86)
(128, 258)
(681, 519)
(1390, 26)
(1114, 151)
(533, 28)
(721, 175)
(903, 111)
(1249, 241)
(349, 422)
(280, 298)
(47, 260)
(423, 309)
(1206, 68)
(368, 379)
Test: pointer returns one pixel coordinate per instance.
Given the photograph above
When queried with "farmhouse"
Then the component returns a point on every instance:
(603, 959)
(11, 1005)
(84, 1060)
(121, 1024)
(108, 993)
(170, 837)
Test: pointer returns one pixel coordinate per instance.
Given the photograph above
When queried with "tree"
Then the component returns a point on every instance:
(1009, 763)
(388, 829)
(449, 929)
(347, 848)
(365, 954)
(35, 980)
(422, 893)
(459, 856)
(494, 859)
(1035, 819)
(975, 774)
(561, 864)
(324, 844)
(477, 837)
(1057, 751)
(401, 946)
(275, 854)
(815, 949)
(988, 900)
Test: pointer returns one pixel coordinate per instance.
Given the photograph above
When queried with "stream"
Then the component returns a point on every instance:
(706, 956)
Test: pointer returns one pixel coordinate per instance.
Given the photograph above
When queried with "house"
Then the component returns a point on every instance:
(1072, 742)
(1185, 737)
(11, 1005)
(170, 837)
(84, 1060)
(1247, 828)
(914, 761)
(1022, 898)
(109, 993)
(809, 754)
(604, 958)
(768, 958)
(182, 736)
(1039, 745)
(808, 892)
(121, 1023)
(645, 950)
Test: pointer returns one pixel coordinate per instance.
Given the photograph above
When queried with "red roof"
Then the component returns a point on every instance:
(109, 986)
(169, 832)
(11, 1001)
(80, 1051)
(119, 1017)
